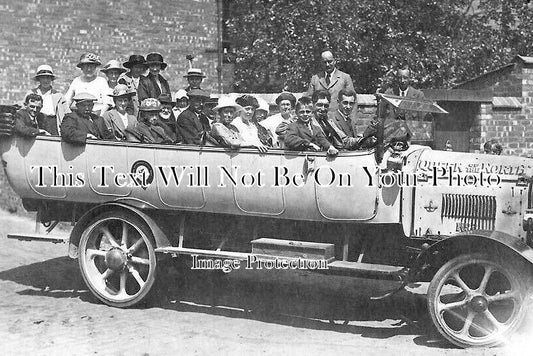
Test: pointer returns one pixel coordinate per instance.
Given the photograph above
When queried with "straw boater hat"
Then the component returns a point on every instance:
(44, 71)
(122, 90)
(80, 97)
(150, 104)
(133, 60)
(155, 58)
(113, 64)
(194, 72)
(227, 102)
(90, 58)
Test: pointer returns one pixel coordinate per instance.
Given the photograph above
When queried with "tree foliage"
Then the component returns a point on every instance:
(278, 42)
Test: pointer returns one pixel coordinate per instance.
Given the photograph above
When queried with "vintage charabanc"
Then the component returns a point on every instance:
(461, 221)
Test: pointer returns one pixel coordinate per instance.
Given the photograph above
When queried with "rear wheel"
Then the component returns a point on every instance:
(117, 258)
(475, 300)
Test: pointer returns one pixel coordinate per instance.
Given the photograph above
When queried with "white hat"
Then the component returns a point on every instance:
(180, 94)
(263, 105)
(227, 102)
(44, 70)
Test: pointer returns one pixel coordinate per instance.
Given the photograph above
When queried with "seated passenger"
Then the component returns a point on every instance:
(260, 114)
(304, 134)
(30, 122)
(285, 102)
(154, 84)
(182, 102)
(245, 125)
(166, 119)
(90, 83)
(146, 130)
(54, 104)
(321, 100)
(82, 124)
(223, 131)
(193, 125)
(117, 119)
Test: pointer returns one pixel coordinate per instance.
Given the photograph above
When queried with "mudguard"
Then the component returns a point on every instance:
(160, 237)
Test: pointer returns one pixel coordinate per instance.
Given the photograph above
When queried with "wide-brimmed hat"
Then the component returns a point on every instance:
(150, 104)
(89, 58)
(198, 93)
(133, 60)
(165, 99)
(155, 58)
(227, 102)
(122, 90)
(113, 64)
(194, 72)
(180, 94)
(247, 100)
(44, 70)
(286, 96)
(84, 97)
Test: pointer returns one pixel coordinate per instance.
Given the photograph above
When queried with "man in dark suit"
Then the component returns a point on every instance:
(30, 122)
(303, 134)
(82, 124)
(192, 124)
(345, 116)
(154, 84)
(331, 79)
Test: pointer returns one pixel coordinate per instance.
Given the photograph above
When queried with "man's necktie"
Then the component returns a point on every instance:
(310, 127)
(328, 80)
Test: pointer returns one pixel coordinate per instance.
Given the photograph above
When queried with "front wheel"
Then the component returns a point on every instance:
(117, 259)
(476, 300)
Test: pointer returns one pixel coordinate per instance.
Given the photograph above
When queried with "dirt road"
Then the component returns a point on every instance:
(47, 310)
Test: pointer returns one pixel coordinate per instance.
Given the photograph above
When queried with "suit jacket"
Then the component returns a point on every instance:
(59, 102)
(114, 123)
(347, 126)
(190, 128)
(148, 87)
(74, 128)
(339, 80)
(392, 113)
(335, 135)
(299, 137)
(26, 126)
(152, 133)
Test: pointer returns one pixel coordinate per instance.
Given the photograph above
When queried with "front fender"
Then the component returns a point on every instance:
(495, 242)
(160, 237)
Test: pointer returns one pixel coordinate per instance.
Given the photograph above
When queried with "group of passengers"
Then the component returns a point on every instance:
(131, 106)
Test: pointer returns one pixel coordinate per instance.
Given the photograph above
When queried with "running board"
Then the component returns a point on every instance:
(175, 251)
(39, 237)
(366, 270)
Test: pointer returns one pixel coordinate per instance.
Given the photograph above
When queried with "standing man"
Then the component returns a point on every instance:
(402, 87)
(54, 105)
(331, 79)
(194, 77)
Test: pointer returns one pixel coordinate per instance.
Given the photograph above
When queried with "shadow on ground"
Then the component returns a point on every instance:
(306, 300)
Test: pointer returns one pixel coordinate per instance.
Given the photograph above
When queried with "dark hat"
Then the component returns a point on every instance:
(133, 60)
(198, 93)
(286, 96)
(247, 100)
(89, 58)
(165, 98)
(155, 58)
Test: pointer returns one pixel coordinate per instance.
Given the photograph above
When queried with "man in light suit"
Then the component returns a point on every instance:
(331, 79)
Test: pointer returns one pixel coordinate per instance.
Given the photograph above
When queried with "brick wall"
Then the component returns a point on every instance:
(57, 32)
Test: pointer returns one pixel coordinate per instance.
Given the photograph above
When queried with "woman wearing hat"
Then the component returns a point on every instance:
(90, 82)
(223, 131)
(154, 84)
(286, 102)
(245, 125)
(54, 104)
(137, 66)
(112, 70)
(117, 119)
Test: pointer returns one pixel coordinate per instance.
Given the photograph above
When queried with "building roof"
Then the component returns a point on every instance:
(525, 59)
(506, 102)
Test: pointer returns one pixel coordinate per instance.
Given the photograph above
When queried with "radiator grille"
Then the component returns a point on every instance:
(475, 211)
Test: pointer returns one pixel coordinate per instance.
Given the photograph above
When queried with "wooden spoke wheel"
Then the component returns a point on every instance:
(477, 301)
(117, 259)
